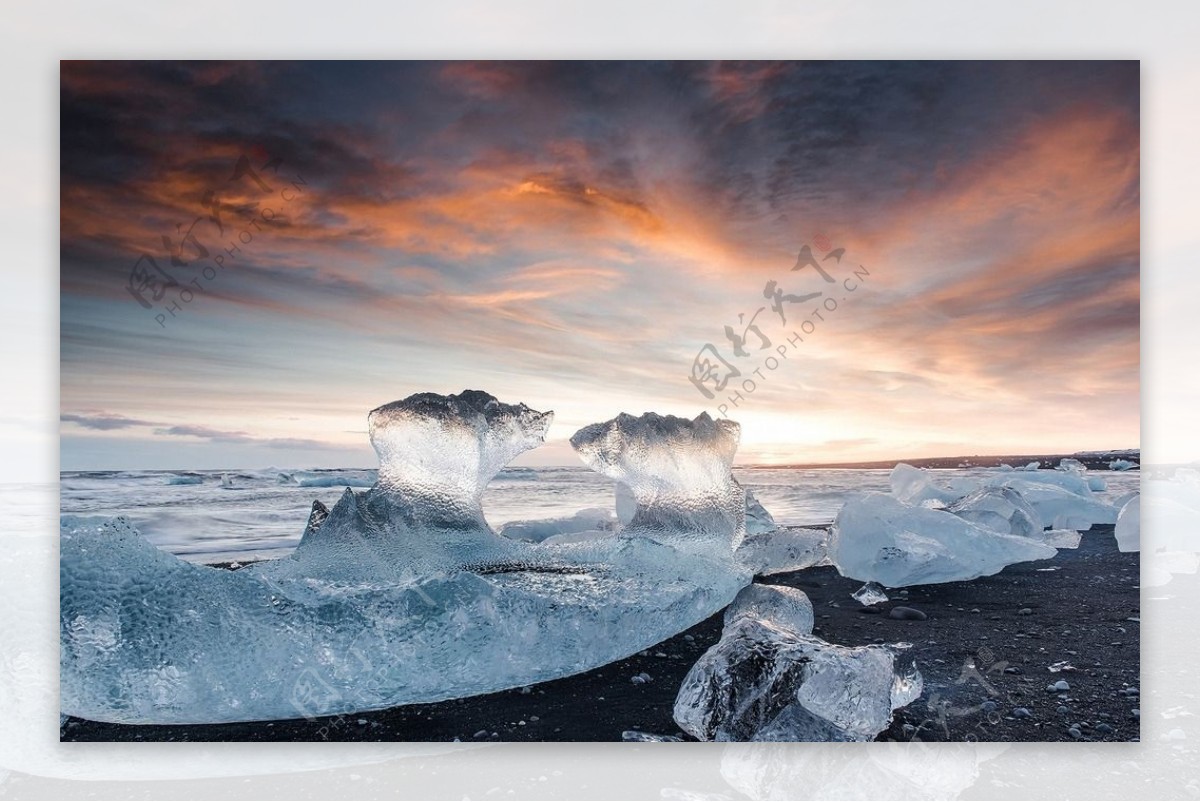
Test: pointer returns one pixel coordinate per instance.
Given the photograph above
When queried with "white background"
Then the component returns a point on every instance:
(34, 36)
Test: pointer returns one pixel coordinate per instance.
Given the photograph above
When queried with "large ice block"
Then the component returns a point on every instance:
(401, 594)
(877, 538)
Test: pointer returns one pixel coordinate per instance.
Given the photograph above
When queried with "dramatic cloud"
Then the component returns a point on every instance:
(327, 237)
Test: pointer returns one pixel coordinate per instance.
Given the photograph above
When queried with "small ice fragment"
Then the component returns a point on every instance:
(1061, 665)
(1059, 538)
(870, 594)
(1097, 484)
(648, 738)
(776, 604)
(1071, 465)
(783, 549)
(1122, 465)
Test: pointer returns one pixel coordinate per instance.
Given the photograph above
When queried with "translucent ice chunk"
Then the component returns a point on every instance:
(999, 508)
(1097, 484)
(783, 549)
(592, 519)
(877, 538)
(870, 594)
(1072, 465)
(436, 456)
(690, 501)
(767, 679)
(758, 520)
(1059, 538)
(915, 486)
(401, 594)
(1129, 527)
(1067, 480)
(1061, 508)
(785, 607)
(1122, 465)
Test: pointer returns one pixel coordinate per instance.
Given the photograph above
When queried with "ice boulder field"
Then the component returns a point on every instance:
(677, 595)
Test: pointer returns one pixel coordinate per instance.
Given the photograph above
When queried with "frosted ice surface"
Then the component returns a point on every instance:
(768, 679)
(786, 548)
(626, 504)
(999, 508)
(915, 486)
(1129, 527)
(877, 538)
(778, 604)
(1097, 484)
(870, 594)
(692, 503)
(587, 520)
(402, 594)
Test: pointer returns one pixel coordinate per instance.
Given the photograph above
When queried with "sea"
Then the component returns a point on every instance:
(244, 515)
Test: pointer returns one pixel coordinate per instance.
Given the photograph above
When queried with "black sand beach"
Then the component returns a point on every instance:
(985, 650)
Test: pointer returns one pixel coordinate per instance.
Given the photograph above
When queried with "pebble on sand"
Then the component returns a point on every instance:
(907, 614)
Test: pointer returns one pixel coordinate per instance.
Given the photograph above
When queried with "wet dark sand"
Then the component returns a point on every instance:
(976, 649)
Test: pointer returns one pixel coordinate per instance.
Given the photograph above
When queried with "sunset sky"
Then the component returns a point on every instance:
(573, 234)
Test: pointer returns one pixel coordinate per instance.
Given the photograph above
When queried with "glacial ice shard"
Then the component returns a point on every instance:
(769, 679)
(870, 594)
(758, 520)
(877, 538)
(678, 471)
(402, 594)
(1129, 525)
